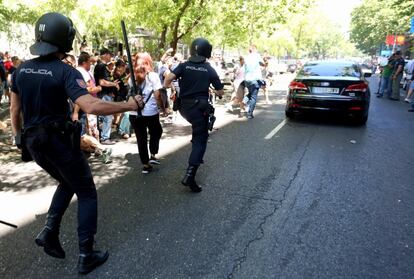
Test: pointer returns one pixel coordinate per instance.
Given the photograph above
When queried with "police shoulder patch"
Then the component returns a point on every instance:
(81, 83)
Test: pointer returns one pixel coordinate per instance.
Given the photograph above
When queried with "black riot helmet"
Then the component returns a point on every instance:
(54, 32)
(200, 50)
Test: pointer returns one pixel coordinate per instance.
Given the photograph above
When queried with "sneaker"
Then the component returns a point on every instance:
(407, 100)
(379, 96)
(154, 161)
(106, 158)
(125, 136)
(147, 169)
(249, 116)
(228, 107)
(107, 151)
(107, 142)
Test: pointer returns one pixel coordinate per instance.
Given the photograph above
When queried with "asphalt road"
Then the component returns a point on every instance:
(319, 199)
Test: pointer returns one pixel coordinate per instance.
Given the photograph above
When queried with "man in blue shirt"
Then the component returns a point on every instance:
(253, 75)
(40, 91)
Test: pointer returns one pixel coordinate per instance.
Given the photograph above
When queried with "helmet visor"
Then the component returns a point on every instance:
(43, 48)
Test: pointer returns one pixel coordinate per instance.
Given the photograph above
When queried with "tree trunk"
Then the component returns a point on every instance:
(163, 41)
(176, 37)
(174, 44)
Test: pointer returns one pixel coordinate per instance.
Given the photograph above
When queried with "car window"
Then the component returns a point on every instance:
(330, 69)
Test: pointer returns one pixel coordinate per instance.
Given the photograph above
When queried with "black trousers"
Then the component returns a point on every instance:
(142, 126)
(195, 112)
(55, 154)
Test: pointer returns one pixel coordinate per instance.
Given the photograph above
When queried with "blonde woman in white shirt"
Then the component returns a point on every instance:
(149, 84)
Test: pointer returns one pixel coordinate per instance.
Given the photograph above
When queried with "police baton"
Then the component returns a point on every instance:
(8, 224)
(131, 68)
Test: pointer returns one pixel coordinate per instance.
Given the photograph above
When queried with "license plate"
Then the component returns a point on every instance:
(327, 90)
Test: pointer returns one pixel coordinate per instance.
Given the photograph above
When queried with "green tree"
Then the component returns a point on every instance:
(373, 20)
(16, 13)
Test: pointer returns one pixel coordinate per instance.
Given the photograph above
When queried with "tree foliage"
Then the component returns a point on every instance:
(307, 33)
(283, 27)
(17, 13)
(373, 20)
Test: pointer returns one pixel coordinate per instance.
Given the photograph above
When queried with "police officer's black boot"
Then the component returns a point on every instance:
(48, 238)
(88, 258)
(189, 179)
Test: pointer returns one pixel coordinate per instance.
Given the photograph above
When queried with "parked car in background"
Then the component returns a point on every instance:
(330, 86)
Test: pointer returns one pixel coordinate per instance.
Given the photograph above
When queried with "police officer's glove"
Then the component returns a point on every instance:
(18, 140)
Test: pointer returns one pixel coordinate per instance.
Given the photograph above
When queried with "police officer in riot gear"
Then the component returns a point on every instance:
(195, 77)
(41, 89)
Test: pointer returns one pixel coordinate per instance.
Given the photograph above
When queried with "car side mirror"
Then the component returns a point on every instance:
(367, 75)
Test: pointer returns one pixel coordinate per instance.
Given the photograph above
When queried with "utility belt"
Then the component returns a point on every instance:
(71, 130)
(66, 127)
(209, 111)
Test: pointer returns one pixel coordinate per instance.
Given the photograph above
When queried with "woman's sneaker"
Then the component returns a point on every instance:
(146, 169)
(154, 161)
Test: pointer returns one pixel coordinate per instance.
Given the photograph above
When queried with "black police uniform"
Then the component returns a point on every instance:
(194, 80)
(44, 85)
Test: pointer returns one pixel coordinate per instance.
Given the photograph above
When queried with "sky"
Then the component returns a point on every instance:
(339, 11)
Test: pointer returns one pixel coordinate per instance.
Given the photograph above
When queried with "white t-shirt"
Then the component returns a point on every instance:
(152, 83)
(252, 66)
(86, 76)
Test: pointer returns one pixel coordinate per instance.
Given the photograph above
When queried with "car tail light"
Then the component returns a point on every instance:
(359, 87)
(296, 85)
(355, 108)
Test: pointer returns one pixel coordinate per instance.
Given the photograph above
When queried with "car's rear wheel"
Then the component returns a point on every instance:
(361, 120)
(289, 114)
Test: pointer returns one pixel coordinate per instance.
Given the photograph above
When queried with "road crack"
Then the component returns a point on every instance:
(277, 204)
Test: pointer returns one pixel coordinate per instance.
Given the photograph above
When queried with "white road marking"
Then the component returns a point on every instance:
(275, 130)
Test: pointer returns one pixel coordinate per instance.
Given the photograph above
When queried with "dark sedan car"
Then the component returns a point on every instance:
(336, 86)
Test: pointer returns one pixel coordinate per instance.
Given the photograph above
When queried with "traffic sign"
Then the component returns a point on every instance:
(397, 40)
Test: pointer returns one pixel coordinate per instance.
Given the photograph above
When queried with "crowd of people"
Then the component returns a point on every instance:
(8, 64)
(56, 102)
(107, 77)
(391, 74)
